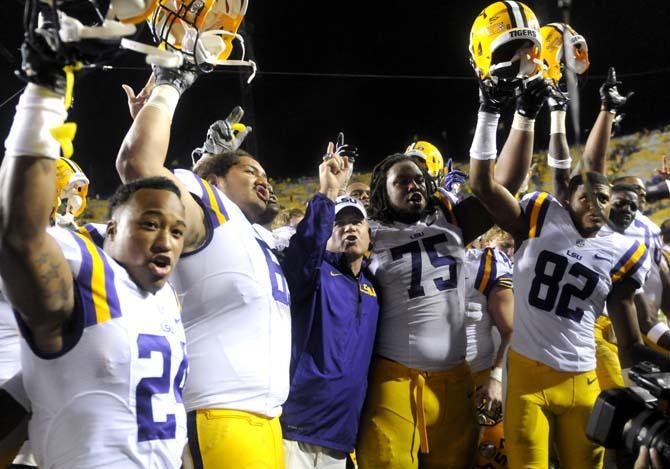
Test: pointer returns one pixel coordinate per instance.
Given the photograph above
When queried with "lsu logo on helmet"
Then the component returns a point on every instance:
(505, 42)
(556, 38)
(430, 154)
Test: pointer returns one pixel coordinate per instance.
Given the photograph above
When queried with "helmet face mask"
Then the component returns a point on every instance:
(505, 42)
(202, 30)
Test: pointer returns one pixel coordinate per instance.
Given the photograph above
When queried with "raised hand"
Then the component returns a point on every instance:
(532, 95)
(557, 100)
(181, 78)
(610, 98)
(454, 178)
(137, 102)
(334, 172)
(494, 98)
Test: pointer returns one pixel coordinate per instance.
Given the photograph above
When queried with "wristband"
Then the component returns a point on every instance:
(497, 374)
(484, 142)
(656, 332)
(523, 123)
(557, 122)
(559, 164)
(164, 97)
(39, 111)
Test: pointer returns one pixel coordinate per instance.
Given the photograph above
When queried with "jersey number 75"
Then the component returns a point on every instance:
(437, 260)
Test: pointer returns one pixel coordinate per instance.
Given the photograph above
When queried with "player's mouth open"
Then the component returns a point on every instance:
(415, 198)
(160, 266)
(263, 193)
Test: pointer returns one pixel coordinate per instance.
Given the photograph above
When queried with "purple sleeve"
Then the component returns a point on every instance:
(306, 250)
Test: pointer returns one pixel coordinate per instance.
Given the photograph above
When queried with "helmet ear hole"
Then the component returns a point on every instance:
(479, 49)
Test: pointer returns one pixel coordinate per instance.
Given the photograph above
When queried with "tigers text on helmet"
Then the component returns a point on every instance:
(505, 42)
(72, 188)
(430, 154)
(556, 38)
(202, 31)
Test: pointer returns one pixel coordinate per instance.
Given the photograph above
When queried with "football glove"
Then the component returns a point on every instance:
(531, 96)
(610, 98)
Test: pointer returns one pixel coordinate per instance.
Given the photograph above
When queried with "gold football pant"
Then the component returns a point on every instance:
(408, 411)
(220, 438)
(541, 400)
(608, 367)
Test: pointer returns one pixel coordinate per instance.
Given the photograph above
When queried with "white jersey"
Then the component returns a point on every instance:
(561, 283)
(419, 268)
(236, 312)
(646, 231)
(10, 350)
(484, 269)
(114, 397)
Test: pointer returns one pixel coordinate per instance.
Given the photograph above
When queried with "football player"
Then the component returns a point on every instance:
(488, 326)
(420, 404)
(564, 274)
(235, 296)
(656, 290)
(92, 318)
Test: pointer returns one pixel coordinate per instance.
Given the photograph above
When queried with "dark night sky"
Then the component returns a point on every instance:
(294, 115)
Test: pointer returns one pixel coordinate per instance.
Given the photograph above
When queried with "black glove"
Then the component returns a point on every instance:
(344, 149)
(43, 57)
(494, 98)
(531, 96)
(181, 78)
(610, 99)
(558, 99)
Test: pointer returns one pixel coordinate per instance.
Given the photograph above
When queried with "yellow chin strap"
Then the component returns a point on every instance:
(65, 133)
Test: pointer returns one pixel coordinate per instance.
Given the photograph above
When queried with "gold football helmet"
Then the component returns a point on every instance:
(72, 188)
(505, 42)
(202, 30)
(430, 154)
(491, 453)
(555, 37)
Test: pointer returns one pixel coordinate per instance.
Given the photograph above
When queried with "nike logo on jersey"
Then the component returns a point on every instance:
(334, 274)
(591, 381)
(602, 258)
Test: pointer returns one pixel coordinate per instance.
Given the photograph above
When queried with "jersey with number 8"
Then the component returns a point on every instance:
(561, 284)
(114, 398)
(420, 270)
(236, 312)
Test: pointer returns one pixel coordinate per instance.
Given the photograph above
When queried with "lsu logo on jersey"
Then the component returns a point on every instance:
(368, 290)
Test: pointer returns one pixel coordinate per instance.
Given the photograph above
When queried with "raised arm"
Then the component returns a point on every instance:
(37, 278)
(498, 200)
(611, 101)
(307, 247)
(144, 149)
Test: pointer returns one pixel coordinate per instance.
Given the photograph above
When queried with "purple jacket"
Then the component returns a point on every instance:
(334, 321)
